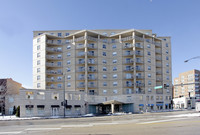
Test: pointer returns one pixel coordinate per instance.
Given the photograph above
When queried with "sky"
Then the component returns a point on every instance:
(179, 19)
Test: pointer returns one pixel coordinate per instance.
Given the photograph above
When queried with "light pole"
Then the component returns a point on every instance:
(197, 57)
(64, 104)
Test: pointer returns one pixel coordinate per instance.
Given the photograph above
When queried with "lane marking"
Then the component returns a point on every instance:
(71, 126)
(33, 129)
(159, 121)
(15, 132)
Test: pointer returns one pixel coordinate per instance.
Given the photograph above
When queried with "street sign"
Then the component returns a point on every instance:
(158, 87)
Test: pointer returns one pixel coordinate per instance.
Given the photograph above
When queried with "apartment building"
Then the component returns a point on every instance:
(187, 85)
(8, 90)
(117, 69)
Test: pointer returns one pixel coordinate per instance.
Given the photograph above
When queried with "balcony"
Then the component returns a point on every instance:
(139, 84)
(53, 57)
(128, 85)
(80, 46)
(81, 78)
(92, 78)
(128, 62)
(158, 51)
(158, 79)
(92, 62)
(81, 70)
(53, 65)
(139, 69)
(127, 54)
(128, 69)
(158, 59)
(53, 72)
(81, 62)
(139, 62)
(91, 47)
(139, 46)
(139, 77)
(81, 54)
(54, 87)
(158, 65)
(138, 54)
(92, 70)
(81, 86)
(79, 39)
(54, 42)
(127, 46)
(157, 44)
(127, 78)
(158, 72)
(54, 50)
(127, 38)
(92, 86)
(91, 55)
(53, 80)
(139, 38)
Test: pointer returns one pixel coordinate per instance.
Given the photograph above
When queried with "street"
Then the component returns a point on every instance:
(164, 123)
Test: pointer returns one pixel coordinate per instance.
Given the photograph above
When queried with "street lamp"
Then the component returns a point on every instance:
(192, 58)
(64, 102)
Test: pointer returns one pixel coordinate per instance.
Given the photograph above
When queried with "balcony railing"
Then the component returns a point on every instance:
(127, 46)
(158, 51)
(128, 85)
(53, 87)
(128, 69)
(91, 46)
(92, 70)
(54, 80)
(128, 62)
(128, 77)
(82, 46)
(54, 42)
(81, 86)
(81, 78)
(53, 57)
(92, 62)
(139, 62)
(158, 72)
(158, 79)
(158, 65)
(158, 58)
(81, 62)
(128, 54)
(81, 70)
(53, 72)
(53, 65)
(139, 84)
(157, 44)
(91, 86)
(139, 77)
(139, 69)
(138, 53)
(92, 78)
(138, 46)
(91, 55)
(56, 50)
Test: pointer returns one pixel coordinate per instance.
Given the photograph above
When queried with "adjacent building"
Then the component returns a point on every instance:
(8, 90)
(116, 69)
(187, 85)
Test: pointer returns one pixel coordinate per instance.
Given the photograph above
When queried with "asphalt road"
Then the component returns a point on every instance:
(165, 123)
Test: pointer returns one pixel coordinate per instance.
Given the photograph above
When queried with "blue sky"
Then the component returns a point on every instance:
(179, 19)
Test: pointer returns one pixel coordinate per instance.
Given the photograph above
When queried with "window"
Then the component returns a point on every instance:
(38, 55)
(104, 46)
(59, 41)
(69, 47)
(115, 91)
(149, 82)
(67, 41)
(38, 77)
(114, 76)
(166, 45)
(167, 64)
(104, 53)
(66, 34)
(68, 54)
(149, 60)
(167, 58)
(148, 46)
(59, 85)
(40, 95)
(38, 85)
(11, 99)
(114, 53)
(167, 70)
(55, 96)
(114, 68)
(167, 51)
(38, 62)
(29, 95)
(104, 91)
(149, 75)
(114, 46)
(149, 89)
(104, 61)
(167, 77)
(149, 53)
(38, 40)
(128, 91)
(38, 47)
(114, 83)
(104, 83)
(104, 76)
(59, 34)
(104, 69)
(69, 62)
(38, 70)
(152, 97)
(68, 69)
(149, 67)
(68, 84)
(114, 61)
(157, 97)
(59, 63)
(40, 110)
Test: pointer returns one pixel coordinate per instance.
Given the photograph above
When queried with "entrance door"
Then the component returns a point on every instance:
(54, 111)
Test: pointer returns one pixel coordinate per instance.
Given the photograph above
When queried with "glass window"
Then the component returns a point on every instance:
(104, 91)
(38, 70)
(114, 83)
(40, 110)
(11, 99)
(114, 61)
(69, 62)
(59, 85)
(38, 40)
(38, 62)
(68, 54)
(114, 68)
(114, 46)
(104, 83)
(38, 77)
(149, 53)
(104, 61)
(166, 45)
(167, 51)
(115, 91)
(38, 47)
(149, 60)
(68, 69)
(104, 53)
(59, 34)
(38, 54)
(66, 34)
(149, 82)
(149, 67)
(59, 41)
(167, 58)
(69, 47)
(167, 64)
(149, 75)
(104, 69)
(104, 76)
(148, 46)
(115, 76)
(114, 53)
(104, 46)
(68, 84)
(149, 89)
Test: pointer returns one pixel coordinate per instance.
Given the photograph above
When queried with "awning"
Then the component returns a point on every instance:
(141, 104)
(40, 106)
(29, 106)
(55, 106)
(68, 106)
(166, 104)
(112, 102)
(159, 104)
(150, 104)
(77, 105)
